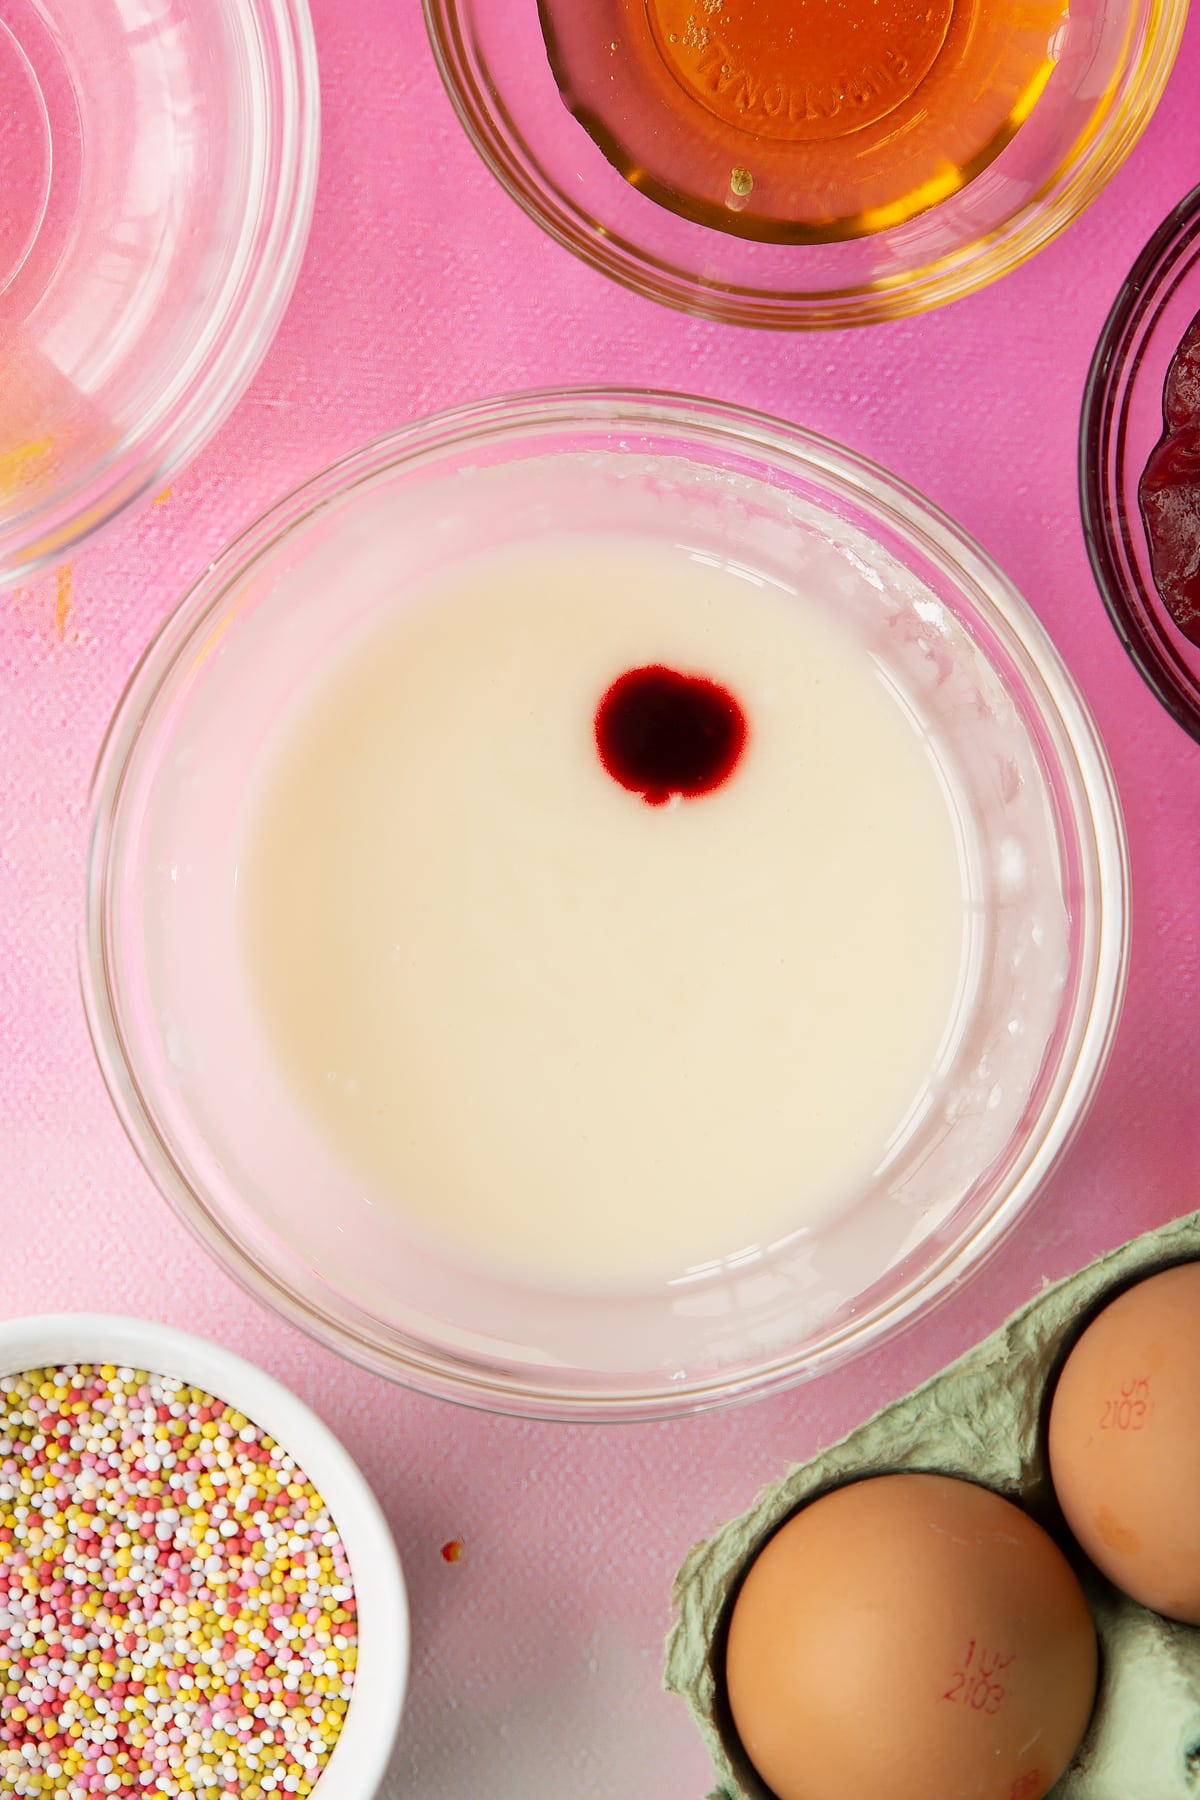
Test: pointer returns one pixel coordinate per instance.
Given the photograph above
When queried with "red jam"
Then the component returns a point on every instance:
(660, 733)
(1169, 490)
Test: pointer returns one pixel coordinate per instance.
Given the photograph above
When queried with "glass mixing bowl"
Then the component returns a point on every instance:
(1122, 422)
(160, 164)
(1040, 854)
(1110, 61)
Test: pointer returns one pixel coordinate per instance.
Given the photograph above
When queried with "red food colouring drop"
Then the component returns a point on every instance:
(660, 733)
(454, 1551)
(1169, 490)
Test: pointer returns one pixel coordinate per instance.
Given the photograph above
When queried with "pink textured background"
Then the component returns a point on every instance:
(537, 1658)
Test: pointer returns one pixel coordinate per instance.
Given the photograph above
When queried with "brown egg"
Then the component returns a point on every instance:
(1125, 1442)
(910, 1637)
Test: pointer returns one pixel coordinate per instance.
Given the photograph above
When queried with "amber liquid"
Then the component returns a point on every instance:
(800, 121)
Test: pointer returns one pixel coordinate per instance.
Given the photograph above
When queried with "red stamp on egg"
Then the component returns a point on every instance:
(976, 1682)
(1129, 1409)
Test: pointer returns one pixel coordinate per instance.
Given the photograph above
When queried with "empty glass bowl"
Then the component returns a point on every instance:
(159, 164)
(1038, 918)
(1122, 422)
(1106, 62)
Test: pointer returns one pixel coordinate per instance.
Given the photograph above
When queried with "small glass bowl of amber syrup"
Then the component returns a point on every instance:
(828, 165)
(1139, 463)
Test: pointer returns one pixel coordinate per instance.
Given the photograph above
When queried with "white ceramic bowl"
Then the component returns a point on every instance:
(360, 1755)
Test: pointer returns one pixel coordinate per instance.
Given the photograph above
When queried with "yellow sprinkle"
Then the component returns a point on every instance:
(64, 594)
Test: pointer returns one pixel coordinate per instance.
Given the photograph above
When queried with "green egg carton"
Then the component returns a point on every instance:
(982, 1418)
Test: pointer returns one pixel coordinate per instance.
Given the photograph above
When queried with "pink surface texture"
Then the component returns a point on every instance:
(537, 1656)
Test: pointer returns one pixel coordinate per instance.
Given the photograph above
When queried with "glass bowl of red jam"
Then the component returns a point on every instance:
(1139, 465)
(824, 165)
(603, 904)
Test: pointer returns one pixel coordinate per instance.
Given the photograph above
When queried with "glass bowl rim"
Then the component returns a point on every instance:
(1096, 816)
(939, 280)
(141, 463)
(1105, 399)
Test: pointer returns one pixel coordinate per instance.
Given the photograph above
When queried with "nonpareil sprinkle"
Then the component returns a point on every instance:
(176, 1610)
